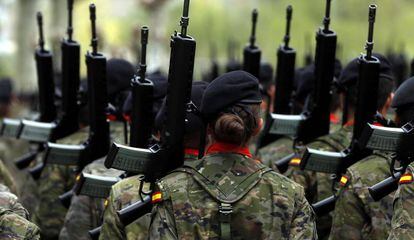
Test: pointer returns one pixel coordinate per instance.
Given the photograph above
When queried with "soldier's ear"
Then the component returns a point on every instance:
(259, 126)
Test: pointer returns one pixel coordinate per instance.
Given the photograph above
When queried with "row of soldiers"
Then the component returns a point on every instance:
(206, 159)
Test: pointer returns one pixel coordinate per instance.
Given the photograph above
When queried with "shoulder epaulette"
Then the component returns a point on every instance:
(344, 180)
(406, 178)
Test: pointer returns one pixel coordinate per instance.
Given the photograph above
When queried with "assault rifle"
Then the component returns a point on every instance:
(39, 131)
(142, 120)
(404, 155)
(285, 73)
(156, 161)
(97, 144)
(314, 120)
(67, 122)
(338, 162)
(252, 53)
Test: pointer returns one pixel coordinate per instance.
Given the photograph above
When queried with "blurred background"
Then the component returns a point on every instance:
(213, 23)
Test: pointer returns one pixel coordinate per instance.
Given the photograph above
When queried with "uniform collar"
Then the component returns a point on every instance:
(191, 153)
(220, 147)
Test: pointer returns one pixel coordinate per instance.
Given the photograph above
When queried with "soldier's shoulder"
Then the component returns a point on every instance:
(13, 226)
(282, 182)
(126, 191)
(75, 138)
(371, 169)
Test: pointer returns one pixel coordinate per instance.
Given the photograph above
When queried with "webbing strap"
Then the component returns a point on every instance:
(225, 211)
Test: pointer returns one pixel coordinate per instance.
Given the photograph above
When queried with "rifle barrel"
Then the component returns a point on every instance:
(288, 22)
(94, 42)
(255, 15)
(371, 18)
(327, 18)
(70, 27)
(143, 62)
(41, 37)
(185, 19)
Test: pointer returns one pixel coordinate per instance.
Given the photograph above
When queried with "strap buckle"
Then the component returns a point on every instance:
(225, 211)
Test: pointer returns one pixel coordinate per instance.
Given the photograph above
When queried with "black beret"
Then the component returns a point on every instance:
(119, 74)
(160, 90)
(194, 121)
(6, 88)
(404, 96)
(233, 65)
(230, 89)
(349, 76)
(305, 80)
(266, 73)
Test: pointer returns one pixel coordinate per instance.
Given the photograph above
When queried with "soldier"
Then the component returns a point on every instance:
(85, 213)
(126, 192)
(319, 185)
(240, 196)
(13, 226)
(356, 214)
(56, 179)
(13, 218)
(402, 226)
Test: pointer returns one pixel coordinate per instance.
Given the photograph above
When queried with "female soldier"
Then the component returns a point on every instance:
(227, 194)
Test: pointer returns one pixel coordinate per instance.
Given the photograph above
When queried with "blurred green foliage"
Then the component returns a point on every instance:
(216, 22)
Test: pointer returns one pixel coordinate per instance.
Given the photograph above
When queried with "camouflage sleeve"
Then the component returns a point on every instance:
(78, 220)
(349, 215)
(402, 226)
(50, 213)
(11, 202)
(6, 178)
(162, 222)
(303, 223)
(112, 228)
(13, 226)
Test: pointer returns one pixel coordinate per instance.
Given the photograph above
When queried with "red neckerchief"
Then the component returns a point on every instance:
(191, 151)
(333, 118)
(220, 147)
(377, 124)
(349, 123)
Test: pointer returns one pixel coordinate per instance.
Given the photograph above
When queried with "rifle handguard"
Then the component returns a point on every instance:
(135, 211)
(36, 171)
(324, 206)
(66, 198)
(385, 187)
(283, 164)
(95, 233)
(25, 160)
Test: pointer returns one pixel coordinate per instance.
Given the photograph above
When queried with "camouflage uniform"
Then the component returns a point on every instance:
(357, 215)
(123, 194)
(402, 225)
(318, 186)
(13, 218)
(54, 181)
(6, 178)
(15, 227)
(10, 202)
(275, 151)
(263, 204)
(85, 213)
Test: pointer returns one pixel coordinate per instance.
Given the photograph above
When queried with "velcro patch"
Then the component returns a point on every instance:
(295, 161)
(406, 178)
(344, 180)
(156, 197)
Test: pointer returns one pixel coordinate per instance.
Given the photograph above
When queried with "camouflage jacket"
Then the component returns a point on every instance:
(6, 178)
(85, 213)
(15, 227)
(262, 203)
(123, 194)
(357, 215)
(9, 201)
(402, 225)
(56, 180)
(275, 151)
(318, 186)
